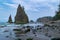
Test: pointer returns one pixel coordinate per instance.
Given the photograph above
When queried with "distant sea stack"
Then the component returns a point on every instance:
(10, 19)
(21, 17)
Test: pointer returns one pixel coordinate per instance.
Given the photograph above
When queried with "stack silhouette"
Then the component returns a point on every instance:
(21, 17)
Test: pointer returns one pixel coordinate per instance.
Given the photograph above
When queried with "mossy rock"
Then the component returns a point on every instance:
(16, 29)
(28, 30)
(30, 39)
(18, 39)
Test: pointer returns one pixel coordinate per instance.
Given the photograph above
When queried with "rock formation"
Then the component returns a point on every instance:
(21, 17)
(44, 19)
(10, 19)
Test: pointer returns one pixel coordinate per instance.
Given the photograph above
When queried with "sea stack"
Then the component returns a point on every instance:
(10, 19)
(21, 17)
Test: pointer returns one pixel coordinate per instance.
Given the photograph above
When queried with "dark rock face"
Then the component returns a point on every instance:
(21, 17)
(10, 19)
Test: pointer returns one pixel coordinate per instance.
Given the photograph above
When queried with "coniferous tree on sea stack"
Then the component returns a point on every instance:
(57, 16)
(21, 17)
(10, 19)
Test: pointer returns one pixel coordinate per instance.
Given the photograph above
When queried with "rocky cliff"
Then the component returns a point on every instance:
(44, 19)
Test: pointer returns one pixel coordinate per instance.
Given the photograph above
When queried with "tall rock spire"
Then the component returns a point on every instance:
(10, 19)
(21, 16)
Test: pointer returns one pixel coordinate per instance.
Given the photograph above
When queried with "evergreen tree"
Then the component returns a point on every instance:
(10, 19)
(57, 16)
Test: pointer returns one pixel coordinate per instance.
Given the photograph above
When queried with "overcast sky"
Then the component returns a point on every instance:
(33, 8)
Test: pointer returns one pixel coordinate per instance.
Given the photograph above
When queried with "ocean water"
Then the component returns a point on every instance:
(29, 24)
(9, 28)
